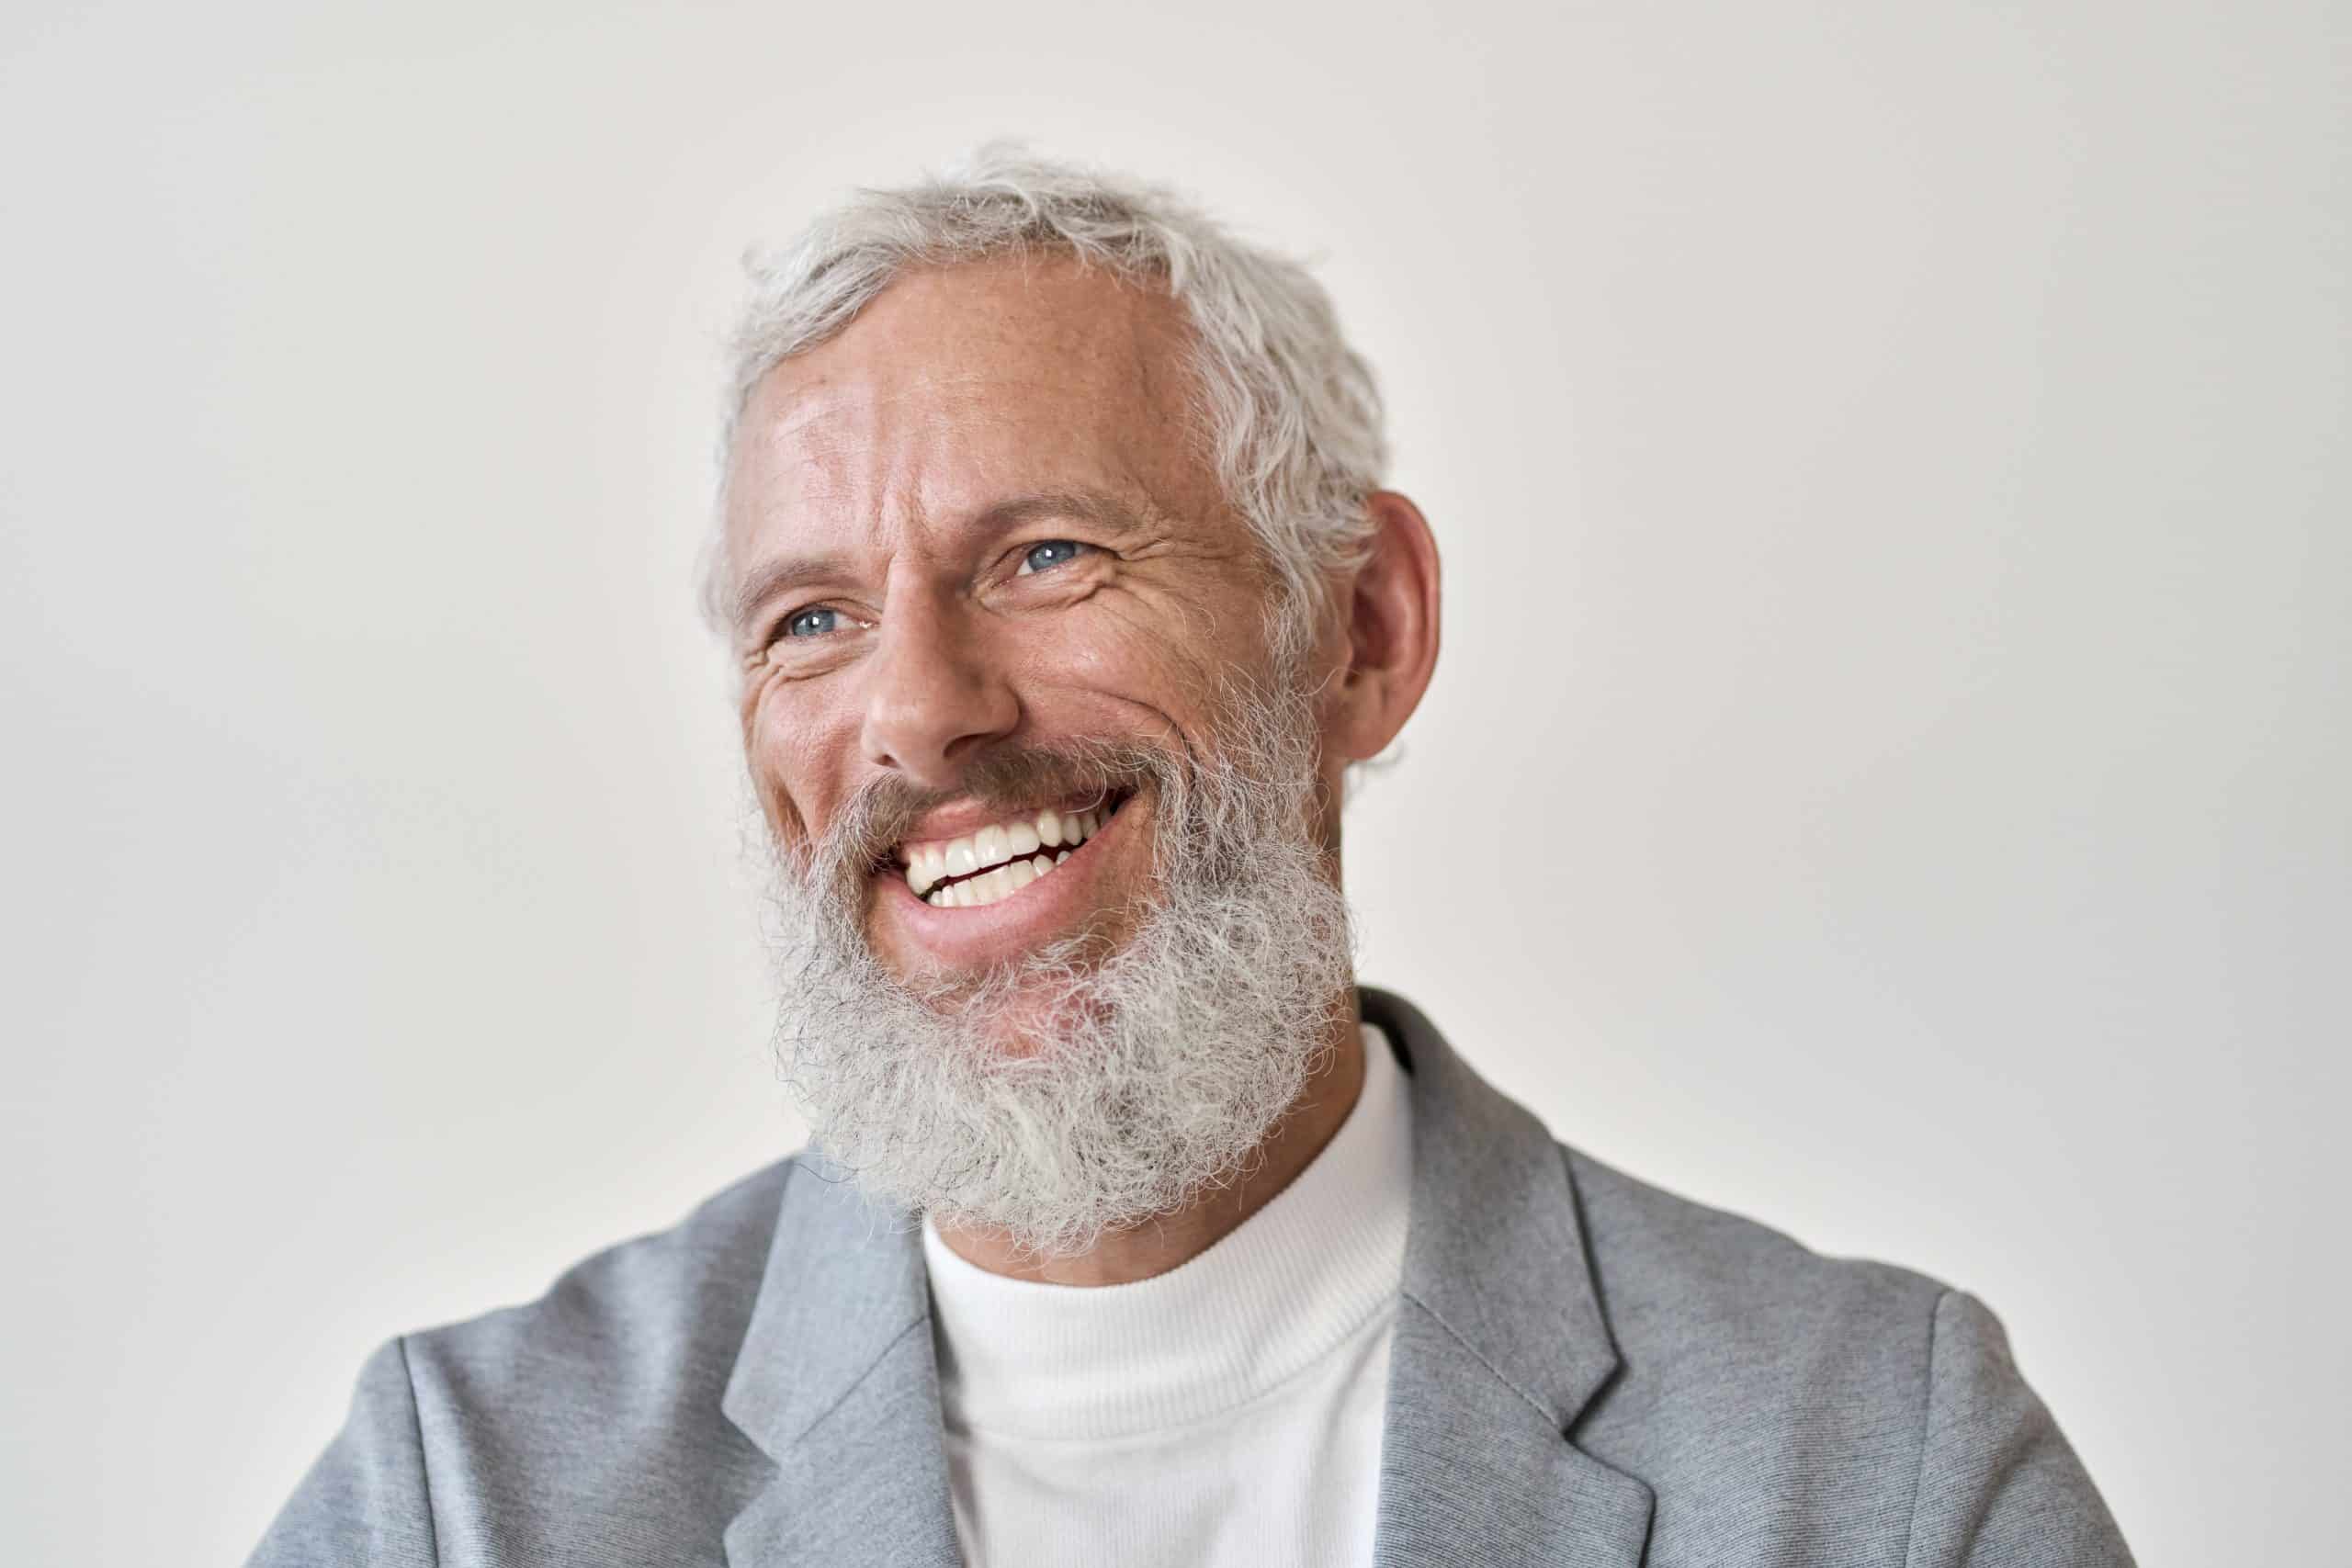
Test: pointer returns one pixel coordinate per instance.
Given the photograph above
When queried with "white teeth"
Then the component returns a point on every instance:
(1011, 849)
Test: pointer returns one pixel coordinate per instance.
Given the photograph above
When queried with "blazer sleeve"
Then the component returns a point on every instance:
(366, 1500)
(1998, 1482)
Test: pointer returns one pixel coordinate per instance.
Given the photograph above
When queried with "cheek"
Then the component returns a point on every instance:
(798, 755)
(1111, 688)
(1134, 650)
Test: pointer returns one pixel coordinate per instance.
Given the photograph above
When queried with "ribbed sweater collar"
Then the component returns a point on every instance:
(1281, 1290)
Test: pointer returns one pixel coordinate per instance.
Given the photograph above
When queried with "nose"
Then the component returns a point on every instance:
(935, 696)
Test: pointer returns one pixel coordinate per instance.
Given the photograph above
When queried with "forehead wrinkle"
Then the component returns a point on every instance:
(832, 399)
(956, 330)
(944, 474)
(932, 406)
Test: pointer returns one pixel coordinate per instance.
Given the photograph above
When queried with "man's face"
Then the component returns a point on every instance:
(974, 537)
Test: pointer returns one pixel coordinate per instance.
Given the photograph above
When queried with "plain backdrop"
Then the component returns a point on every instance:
(1887, 774)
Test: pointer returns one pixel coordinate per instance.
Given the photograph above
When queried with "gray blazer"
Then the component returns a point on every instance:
(1585, 1370)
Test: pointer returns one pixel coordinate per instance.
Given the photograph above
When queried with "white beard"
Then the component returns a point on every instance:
(1144, 1075)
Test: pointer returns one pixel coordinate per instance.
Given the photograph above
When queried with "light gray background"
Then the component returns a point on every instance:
(1887, 774)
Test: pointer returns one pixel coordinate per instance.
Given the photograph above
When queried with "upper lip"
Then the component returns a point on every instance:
(968, 817)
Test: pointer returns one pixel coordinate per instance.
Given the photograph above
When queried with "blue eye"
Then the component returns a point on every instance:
(811, 623)
(1051, 553)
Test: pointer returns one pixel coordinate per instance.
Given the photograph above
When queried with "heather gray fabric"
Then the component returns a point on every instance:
(1585, 1370)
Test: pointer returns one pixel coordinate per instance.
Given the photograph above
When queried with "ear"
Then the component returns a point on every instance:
(1392, 632)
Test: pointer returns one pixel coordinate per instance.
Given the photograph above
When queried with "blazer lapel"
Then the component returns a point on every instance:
(1499, 1345)
(1500, 1342)
(836, 1383)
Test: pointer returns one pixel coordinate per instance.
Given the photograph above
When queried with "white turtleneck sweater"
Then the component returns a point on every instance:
(1226, 1412)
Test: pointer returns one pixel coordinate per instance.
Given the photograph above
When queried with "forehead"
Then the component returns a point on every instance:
(957, 387)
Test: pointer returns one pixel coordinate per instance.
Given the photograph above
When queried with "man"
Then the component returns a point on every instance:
(1055, 561)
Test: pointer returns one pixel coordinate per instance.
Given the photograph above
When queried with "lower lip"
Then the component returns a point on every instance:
(1049, 907)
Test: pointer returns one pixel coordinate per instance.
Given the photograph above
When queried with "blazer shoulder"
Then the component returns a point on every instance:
(1716, 1314)
(1765, 1392)
(1769, 1393)
(1673, 1265)
(1685, 1285)
(648, 1319)
(547, 1431)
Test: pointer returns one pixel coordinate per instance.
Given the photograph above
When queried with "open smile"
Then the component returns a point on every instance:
(998, 860)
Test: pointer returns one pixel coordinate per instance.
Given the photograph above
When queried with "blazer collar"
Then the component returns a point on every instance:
(1499, 1345)
(1500, 1341)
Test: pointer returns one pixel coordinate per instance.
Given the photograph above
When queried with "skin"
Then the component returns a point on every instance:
(885, 492)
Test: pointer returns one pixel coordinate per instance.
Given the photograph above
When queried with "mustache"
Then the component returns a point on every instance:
(883, 813)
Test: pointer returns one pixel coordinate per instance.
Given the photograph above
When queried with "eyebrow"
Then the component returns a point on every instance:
(787, 573)
(780, 577)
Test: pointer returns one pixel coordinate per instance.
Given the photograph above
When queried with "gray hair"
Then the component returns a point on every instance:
(1291, 413)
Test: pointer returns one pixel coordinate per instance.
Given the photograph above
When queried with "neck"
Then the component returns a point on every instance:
(1168, 1240)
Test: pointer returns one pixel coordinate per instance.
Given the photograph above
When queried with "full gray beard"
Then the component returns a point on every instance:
(1143, 1076)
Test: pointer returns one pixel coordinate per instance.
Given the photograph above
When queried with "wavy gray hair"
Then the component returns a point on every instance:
(1290, 414)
